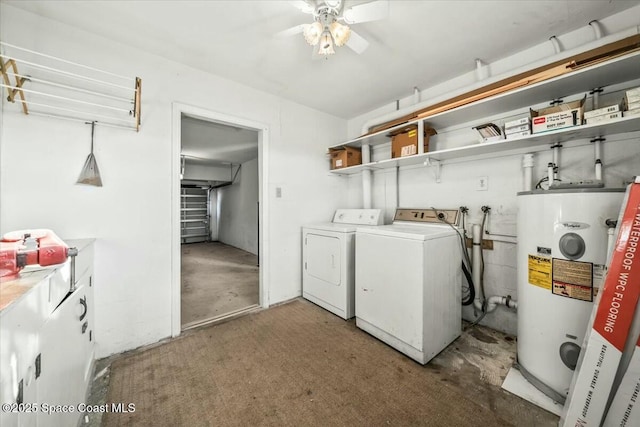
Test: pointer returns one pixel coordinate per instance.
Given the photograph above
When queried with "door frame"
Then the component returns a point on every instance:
(178, 109)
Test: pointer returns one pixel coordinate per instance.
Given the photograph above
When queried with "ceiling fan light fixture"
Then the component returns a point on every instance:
(312, 33)
(340, 33)
(326, 44)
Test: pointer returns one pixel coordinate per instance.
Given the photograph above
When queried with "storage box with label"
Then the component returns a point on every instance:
(516, 123)
(342, 157)
(604, 110)
(558, 117)
(604, 118)
(404, 142)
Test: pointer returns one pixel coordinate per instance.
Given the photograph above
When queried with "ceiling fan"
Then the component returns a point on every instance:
(330, 26)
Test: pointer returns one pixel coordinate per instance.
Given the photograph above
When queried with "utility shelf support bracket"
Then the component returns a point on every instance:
(438, 168)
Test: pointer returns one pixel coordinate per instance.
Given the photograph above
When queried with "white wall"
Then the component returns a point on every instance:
(418, 187)
(131, 215)
(238, 220)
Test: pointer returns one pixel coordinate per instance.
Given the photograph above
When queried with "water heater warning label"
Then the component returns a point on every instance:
(573, 279)
(540, 271)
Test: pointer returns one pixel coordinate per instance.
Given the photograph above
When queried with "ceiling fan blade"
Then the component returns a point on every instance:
(298, 29)
(357, 43)
(367, 12)
(303, 6)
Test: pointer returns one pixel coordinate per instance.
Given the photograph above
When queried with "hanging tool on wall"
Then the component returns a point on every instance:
(90, 174)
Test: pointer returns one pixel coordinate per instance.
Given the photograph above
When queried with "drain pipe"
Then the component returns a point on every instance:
(556, 161)
(366, 177)
(476, 266)
(527, 167)
(416, 95)
(598, 161)
(494, 301)
(485, 305)
(611, 237)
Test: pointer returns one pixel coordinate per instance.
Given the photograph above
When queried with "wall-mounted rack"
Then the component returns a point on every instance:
(49, 86)
(617, 71)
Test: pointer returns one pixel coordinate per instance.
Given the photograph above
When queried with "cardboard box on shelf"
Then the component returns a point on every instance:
(404, 142)
(516, 129)
(632, 95)
(519, 134)
(602, 111)
(558, 117)
(517, 122)
(633, 91)
(489, 132)
(631, 113)
(610, 323)
(604, 118)
(342, 157)
(633, 106)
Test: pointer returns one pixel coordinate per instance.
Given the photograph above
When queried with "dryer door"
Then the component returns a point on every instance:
(323, 258)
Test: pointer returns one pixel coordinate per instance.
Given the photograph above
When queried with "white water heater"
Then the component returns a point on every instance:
(562, 252)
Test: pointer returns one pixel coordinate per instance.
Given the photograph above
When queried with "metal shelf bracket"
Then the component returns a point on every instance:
(438, 168)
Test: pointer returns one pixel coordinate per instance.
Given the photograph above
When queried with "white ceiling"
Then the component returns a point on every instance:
(420, 44)
(205, 142)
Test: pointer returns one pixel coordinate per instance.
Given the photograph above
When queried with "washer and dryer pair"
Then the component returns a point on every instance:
(405, 277)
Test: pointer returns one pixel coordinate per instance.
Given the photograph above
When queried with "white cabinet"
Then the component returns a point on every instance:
(66, 347)
(47, 343)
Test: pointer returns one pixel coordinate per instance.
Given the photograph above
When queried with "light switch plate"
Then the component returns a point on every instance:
(482, 183)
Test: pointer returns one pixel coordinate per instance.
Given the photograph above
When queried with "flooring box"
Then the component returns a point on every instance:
(604, 118)
(610, 323)
(603, 111)
(558, 117)
(343, 157)
(404, 142)
(517, 122)
(625, 407)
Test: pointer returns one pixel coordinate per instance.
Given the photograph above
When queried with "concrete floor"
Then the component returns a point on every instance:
(217, 279)
(477, 363)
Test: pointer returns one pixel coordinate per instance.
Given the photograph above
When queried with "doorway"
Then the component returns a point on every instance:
(218, 230)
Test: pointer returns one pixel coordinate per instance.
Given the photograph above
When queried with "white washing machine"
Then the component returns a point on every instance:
(409, 282)
(328, 270)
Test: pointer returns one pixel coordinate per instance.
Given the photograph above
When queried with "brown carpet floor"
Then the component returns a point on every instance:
(298, 365)
(217, 279)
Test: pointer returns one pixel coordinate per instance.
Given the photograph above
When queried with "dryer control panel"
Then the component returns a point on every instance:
(359, 216)
(428, 215)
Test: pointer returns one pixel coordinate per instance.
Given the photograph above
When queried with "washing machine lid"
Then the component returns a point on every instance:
(413, 232)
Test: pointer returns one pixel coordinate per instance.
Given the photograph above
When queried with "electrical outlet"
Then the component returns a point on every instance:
(483, 183)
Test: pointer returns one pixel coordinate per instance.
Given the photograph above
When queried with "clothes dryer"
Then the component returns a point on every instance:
(328, 270)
